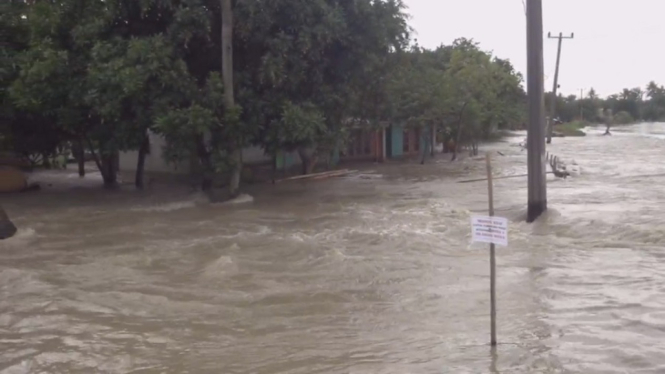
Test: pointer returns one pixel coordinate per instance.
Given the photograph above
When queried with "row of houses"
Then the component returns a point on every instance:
(378, 145)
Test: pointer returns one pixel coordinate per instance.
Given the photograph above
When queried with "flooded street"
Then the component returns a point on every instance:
(373, 273)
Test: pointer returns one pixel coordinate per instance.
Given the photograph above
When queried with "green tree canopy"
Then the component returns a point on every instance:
(106, 73)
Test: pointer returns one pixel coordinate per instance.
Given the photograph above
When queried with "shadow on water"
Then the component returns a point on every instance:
(368, 274)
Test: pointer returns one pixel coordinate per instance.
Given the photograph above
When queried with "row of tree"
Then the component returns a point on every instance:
(630, 105)
(101, 74)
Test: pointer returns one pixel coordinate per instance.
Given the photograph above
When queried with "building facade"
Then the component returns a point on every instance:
(376, 145)
(406, 142)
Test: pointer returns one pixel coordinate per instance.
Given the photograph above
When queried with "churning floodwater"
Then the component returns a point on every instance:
(372, 273)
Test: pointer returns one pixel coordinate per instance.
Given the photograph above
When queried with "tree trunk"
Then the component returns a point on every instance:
(378, 152)
(426, 144)
(206, 164)
(109, 170)
(46, 163)
(144, 150)
(7, 228)
(446, 145)
(308, 160)
(236, 170)
(312, 164)
(304, 167)
(432, 141)
(229, 99)
(79, 154)
(459, 132)
(107, 165)
(274, 167)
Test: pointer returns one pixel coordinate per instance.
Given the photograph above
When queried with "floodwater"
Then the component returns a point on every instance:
(373, 273)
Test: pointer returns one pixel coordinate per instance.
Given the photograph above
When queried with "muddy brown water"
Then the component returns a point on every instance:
(373, 273)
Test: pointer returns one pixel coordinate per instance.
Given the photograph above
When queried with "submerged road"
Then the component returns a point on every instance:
(368, 274)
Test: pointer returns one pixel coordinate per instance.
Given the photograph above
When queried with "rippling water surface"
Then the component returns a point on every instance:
(368, 274)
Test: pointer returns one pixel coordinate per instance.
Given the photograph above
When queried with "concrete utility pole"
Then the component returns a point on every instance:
(537, 203)
(556, 84)
(229, 98)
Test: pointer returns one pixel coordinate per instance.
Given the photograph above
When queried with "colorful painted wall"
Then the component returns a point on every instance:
(364, 145)
(396, 141)
(406, 142)
(287, 160)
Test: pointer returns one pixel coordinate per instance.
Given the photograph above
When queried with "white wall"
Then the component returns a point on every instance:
(154, 162)
(254, 155)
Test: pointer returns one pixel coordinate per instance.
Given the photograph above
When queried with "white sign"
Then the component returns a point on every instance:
(490, 230)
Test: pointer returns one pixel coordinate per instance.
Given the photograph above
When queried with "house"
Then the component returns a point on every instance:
(374, 145)
(363, 145)
(155, 163)
(378, 145)
(401, 141)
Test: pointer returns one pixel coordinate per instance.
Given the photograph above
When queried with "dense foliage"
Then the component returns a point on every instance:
(101, 74)
(630, 105)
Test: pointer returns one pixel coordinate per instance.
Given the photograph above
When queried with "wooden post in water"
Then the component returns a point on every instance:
(490, 194)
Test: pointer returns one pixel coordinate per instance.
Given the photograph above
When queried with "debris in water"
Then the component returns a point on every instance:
(322, 175)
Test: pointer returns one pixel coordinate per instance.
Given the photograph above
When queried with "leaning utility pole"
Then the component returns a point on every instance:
(537, 203)
(556, 84)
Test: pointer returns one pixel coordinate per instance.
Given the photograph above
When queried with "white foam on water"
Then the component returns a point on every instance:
(198, 198)
(169, 207)
(25, 233)
(240, 199)
(223, 265)
(22, 237)
(23, 367)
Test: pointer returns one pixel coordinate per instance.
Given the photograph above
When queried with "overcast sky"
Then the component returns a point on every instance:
(618, 43)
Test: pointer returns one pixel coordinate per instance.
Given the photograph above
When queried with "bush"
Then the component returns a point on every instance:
(577, 124)
(571, 128)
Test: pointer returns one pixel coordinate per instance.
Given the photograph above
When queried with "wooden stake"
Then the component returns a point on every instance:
(490, 193)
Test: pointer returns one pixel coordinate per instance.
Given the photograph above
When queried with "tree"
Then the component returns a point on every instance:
(27, 133)
(418, 92)
(459, 90)
(52, 78)
(146, 61)
(201, 130)
(654, 107)
(288, 75)
(132, 82)
(310, 61)
(471, 75)
(510, 107)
